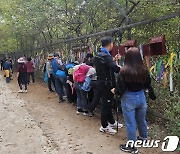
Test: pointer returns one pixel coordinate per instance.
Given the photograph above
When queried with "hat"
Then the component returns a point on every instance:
(50, 56)
(21, 60)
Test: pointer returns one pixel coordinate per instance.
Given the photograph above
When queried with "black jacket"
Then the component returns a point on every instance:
(122, 86)
(105, 67)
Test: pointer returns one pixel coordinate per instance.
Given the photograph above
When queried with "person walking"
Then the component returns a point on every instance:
(12, 63)
(7, 68)
(30, 69)
(134, 77)
(105, 69)
(2, 63)
(49, 70)
(22, 75)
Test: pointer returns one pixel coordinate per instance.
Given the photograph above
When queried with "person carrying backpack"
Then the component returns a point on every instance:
(56, 62)
(134, 77)
(105, 69)
(61, 82)
(79, 76)
(7, 67)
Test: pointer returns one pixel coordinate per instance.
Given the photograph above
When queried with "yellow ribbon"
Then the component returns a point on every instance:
(151, 69)
(170, 61)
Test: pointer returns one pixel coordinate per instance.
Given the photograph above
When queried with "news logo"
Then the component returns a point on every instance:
(169, 144)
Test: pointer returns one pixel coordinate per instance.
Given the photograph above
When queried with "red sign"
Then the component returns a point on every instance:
(130, 43)
(146, 50)
(157, 45)
(118, 50)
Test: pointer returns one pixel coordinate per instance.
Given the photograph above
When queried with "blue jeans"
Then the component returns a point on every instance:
(81, 97)
(8, 79)
(61, 84)
(134, 112)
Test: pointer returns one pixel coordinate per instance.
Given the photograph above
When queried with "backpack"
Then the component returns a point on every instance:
(62, 67)
(55, 65)
(69, 68)
(80, 73)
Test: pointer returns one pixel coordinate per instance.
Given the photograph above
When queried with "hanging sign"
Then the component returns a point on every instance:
(157, 45)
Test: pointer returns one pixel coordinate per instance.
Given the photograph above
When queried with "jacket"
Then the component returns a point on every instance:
(122, 86)
(105, 67)
(7, 66)
(30, 66)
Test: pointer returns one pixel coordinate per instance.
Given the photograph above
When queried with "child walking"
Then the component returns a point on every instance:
(22, 75)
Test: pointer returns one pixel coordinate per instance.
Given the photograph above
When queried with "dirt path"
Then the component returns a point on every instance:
(35, 123)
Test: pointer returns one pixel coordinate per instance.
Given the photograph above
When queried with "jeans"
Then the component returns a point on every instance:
(20, 86)
(104, 88)
(8, 79)
(60, 83)
(81, 97)
(32, 76)
(50, 81)
(134, 112)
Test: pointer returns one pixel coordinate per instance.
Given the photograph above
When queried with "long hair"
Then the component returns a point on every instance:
(134, 69)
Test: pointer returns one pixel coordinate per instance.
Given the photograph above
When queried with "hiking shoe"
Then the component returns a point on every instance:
(108, 130)
(129, 149)
(141, 138)
(79, 111)
(115, 125)
(61, 100)
(25, 91)
(85, 113)
(91, 114)
(20, 91)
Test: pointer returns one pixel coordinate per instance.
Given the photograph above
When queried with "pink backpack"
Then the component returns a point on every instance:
(80, 73)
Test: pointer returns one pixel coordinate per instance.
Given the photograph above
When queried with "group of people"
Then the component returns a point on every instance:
(97, 80)
(24, 73)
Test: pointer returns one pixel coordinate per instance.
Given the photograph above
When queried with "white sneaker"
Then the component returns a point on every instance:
(25, 91)
(20, 91)
(115, 125)
(85, 114)
(108, 130)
